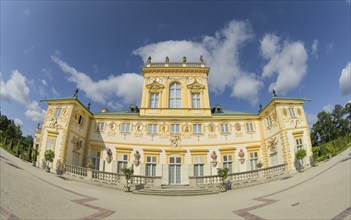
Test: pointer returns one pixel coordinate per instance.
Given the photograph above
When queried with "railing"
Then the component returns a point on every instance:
(105, 176)
(274, 171)
(190, 64)
(76, 171)
(242, 177)
(145, 180)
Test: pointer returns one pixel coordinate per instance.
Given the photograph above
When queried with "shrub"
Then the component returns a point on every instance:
(90, 165)
(49, 156)
(259, 164)
(300, 154)
(223, 173)
(128, 172)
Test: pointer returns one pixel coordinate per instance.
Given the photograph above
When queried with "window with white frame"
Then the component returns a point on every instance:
(95, 159)
(197, 128)
(154, 100)
(151, 165)
(122, 162)
(152, 129)
(199, 165)
(175, 96)
(58, 112)
(100, 126)
(253, 160)
(249, 127)
(51, 143)
(269, 121)
(196, 100)
(175, 128)
(224, 128)
(292, 113)
(228, 162)
(298, 143)
(125, 127)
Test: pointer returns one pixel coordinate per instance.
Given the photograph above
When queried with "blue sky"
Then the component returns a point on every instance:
(299, 48)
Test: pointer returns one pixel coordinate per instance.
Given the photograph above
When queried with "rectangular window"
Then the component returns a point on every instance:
(152, 129)
(196, 100)
(125, 127)
(249, 127)
(100, 126)
(151, 165)
(122, 162)
(228, 162)
(224, 128)
(298, 143)
(253, 160)
(292, 113)
(175, 128)
(269, 121)
(197, 128)
(199, 165)
(58, 112)
(154, 100)
(51, 143)
(80, 120)
(95, 159)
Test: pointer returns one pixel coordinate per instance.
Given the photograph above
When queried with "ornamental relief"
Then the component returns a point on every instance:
(211, 128)
(187, 131)
(195, 86)
(138, 129)
(163, 130)
(155, 86)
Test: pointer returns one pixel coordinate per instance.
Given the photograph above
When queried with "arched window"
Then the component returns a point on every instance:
(175, 96)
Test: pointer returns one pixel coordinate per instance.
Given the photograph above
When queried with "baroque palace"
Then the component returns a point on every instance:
(175, 134)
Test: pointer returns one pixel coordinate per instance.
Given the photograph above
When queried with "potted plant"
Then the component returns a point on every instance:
(34, 157)
(90, 165)
(223, 174)
(128, 173)
(259, 164)
(300, 155)
(49, 156)
(59, 167)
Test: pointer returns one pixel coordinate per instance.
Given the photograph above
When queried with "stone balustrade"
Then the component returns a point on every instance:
(105, 176)
(75, 171)
(146, 180)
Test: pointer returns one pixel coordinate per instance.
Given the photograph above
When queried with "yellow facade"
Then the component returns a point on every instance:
(174, 131)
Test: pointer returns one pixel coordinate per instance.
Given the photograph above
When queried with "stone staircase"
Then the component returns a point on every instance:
(179, 190)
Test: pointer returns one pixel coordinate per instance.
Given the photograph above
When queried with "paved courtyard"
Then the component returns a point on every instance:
(322, 192)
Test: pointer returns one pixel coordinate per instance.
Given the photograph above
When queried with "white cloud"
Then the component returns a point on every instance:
(43, 81)
(328, 108)
(34, 112)
(127, 86)
(345, 80)
(55, 92)
(287, 60)
(47, 73)
(28, 50)
(221, 53)
(311, 119)
(115, 106)
(18, 122)
(16, 89)
(315, 48)
(329, 47)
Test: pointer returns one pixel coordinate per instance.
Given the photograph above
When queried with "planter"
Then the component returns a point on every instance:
(127, 188)
(223, 187)
(47, 169)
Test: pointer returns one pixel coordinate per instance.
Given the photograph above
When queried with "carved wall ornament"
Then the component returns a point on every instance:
(272, 144)
(164, 128)
(77, 143)
(211, 127)
(237, 126)
(274, 116)
(214, 158)
(113, 125)
(285, 112)
(155, 86)
(109, 155)
(136, 158)
(195, 86)
(299, 112)
(139, 126)
(65, 111)
(175, 142)
(241, 156)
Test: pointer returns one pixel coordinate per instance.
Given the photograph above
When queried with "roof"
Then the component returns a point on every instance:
(123, 112)
(230, 112)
